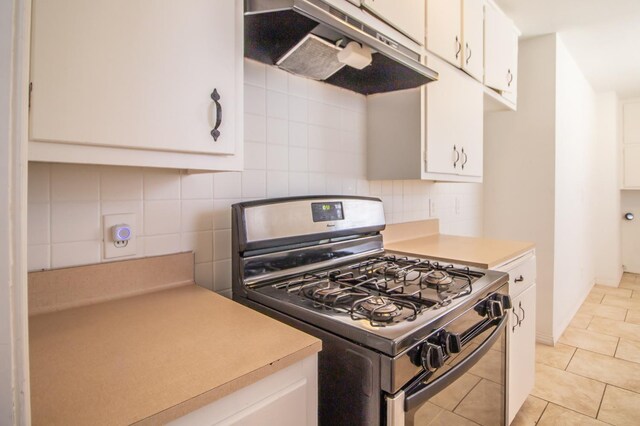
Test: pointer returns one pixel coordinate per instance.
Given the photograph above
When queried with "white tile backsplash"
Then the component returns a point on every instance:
(277, 184)
(124, 185)
(301, 137)
(196, 186)
(75, 253)
(277, 131)
(75, 221)
(160, 184)
(162, 217)
(196, 215)
(80, 183)
(38, 186)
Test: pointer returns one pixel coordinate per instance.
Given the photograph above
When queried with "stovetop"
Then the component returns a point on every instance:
(386, 301)
(384, 290)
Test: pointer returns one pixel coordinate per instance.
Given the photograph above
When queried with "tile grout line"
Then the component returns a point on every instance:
(601, 399)
(543, 410)
(571, 359)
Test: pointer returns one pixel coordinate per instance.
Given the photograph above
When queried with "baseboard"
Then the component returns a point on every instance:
(567, 321)
(610, 282)
(545, 339)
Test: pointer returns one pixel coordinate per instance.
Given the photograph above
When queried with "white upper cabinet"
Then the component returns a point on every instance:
(151, 83)
(500, 52)
(406, 16)
(444, 30)
(454, 123)
(473, 38)
(631, 143)
(431, 133)
(455, 33)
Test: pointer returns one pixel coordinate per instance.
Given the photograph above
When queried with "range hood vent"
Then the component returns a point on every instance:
(295, 34)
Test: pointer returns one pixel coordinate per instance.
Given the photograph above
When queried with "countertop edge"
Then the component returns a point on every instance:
(230, 387)
(525, 247)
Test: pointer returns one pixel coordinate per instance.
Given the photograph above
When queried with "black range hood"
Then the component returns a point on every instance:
(275, 28)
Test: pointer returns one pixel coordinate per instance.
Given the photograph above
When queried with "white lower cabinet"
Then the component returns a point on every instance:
(522, 349)
(522, 331)
(288, 397)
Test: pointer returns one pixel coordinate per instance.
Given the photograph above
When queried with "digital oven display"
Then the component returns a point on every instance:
(326, 212)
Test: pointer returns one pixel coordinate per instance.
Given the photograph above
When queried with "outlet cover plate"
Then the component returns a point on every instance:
(110, 251)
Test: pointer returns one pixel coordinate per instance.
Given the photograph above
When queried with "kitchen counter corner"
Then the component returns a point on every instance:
(152, 358)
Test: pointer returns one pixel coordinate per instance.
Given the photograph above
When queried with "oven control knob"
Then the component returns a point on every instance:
(494, 309)
(452, 343)
(432, 357)
(505, 299)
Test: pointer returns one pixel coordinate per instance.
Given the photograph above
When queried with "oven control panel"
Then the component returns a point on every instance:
(327, 212)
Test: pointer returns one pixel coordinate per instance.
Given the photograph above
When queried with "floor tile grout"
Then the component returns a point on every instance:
(606, 384)
(601, 399)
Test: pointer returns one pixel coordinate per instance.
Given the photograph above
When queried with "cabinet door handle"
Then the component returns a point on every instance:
(455, 162)
(464, 155)
(519, 279)
(523, 313)
(458, 46)
(469, 50)
(509, 77)
(517, 322)
(215, 96)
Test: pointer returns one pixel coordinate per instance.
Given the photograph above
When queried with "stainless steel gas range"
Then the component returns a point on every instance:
(405, 340)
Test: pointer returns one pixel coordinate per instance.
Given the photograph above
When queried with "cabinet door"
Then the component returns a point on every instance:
(454, 121)
(511, 46)
(632, 166)
(407, 16)
(497, 49)
(470, 126)
(522, 349)
(631, 122)
(473, 38)
(443, 141)
(444, 30)
(135, 74)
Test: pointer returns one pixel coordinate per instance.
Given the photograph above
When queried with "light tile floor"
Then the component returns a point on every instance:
(592, 375)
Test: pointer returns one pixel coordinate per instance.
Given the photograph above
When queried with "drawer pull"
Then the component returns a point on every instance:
(519, 279)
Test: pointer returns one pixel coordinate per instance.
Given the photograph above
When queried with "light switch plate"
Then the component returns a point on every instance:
(110, 250)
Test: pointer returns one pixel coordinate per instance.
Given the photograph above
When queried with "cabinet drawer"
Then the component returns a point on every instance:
(522, 274)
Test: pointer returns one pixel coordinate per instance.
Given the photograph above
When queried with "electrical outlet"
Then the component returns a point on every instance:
(114, 246)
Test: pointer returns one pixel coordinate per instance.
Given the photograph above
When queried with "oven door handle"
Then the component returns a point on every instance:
(417, 397)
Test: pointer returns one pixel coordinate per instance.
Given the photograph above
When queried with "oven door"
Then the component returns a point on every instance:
(468, 389)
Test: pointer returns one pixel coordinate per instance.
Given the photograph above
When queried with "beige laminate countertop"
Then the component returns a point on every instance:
(152, 358)
(481, 252)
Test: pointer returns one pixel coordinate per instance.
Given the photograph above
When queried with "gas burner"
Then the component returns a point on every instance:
(376, 309)
(327, 292)
(438, 279)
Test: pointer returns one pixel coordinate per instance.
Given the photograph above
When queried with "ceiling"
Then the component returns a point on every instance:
(603, 36)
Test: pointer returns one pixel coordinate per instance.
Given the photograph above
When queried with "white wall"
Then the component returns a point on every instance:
(575, 196)
(607, 230)
(519, 176)
(550, 177)
(301, 137)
